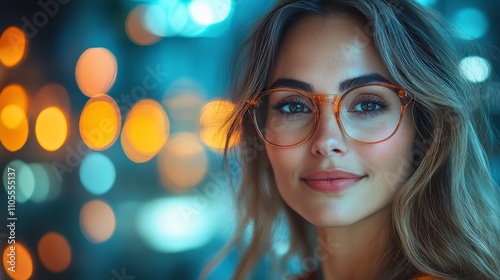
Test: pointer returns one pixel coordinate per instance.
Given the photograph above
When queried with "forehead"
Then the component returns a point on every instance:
(324, 51)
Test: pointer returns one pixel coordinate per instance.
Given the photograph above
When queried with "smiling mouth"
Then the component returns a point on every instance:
(332, 184)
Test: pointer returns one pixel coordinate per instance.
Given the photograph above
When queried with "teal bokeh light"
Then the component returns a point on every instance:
(42, 183)
(97, 173)
(24, 180)
(210, 12)
(196, 18)
(175, 224)
(470, 24)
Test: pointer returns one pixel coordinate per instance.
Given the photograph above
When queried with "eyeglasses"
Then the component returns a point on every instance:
(369, 113)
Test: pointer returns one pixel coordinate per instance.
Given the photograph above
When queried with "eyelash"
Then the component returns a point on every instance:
(371, 99)
(286, 101)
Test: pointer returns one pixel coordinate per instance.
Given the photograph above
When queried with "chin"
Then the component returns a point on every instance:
(327, 218)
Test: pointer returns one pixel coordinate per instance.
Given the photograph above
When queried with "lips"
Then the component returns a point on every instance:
(333, 180)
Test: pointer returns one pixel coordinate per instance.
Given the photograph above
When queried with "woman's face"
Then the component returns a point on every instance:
(331, 180)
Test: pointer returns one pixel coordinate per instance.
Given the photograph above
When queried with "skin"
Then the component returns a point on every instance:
(354, 222)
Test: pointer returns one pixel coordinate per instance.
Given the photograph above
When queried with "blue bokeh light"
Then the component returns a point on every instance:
(97, 173)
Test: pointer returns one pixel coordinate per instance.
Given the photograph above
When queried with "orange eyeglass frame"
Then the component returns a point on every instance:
(318, 99)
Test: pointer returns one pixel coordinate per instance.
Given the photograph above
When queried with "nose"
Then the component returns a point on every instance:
(328, 138)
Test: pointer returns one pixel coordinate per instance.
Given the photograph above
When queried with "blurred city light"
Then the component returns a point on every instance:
(40, 177)
(182, 163)
(96, 71)
(178, 18)
(214, 124)
(25, 180)
(156, 20)
(174, 225)
(146, 23)
(23, 261)
(145, 131)
(51, 129)
(14, 94)
(12, 116)
(12, 46)
(14, 128)
(208, 12)
(35, 181)
(475, 68)
(100, 122)
(470, 23)
(97, 221)
(42, 182)
(97, 173)
(26, 183)
(54, 183)
(54, 252)
(136, 29)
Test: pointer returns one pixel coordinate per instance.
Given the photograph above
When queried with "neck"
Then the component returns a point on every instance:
(356, 251)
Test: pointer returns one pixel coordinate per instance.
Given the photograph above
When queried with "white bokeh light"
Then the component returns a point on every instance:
(210, 12)
(475, 68)
(155, 20)
(176, 224)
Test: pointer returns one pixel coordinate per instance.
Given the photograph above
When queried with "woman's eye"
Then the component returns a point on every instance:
(366, 107)
(293, 108)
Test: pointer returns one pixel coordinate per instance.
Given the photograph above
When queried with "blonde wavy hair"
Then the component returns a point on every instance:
(446, 217)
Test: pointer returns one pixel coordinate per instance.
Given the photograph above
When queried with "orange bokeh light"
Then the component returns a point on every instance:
(183, 162)
(214, 124)
(54, 252)
(16, 95)
(145, 130)
(100, 122)
(96, 71)
(14, 126)
(23, 261)
(12, 46)
(136, 31)
(97, 221)
(51, 128)
(12, 116)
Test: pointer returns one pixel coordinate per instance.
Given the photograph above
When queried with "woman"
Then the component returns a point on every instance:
(373, 145)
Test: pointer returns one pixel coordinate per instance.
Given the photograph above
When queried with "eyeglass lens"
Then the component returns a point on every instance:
(367, 114)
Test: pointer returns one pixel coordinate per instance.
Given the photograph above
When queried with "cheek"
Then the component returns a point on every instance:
(391, 162)
(285, 162)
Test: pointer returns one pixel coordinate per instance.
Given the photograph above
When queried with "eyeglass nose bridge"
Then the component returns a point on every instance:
(328, 99)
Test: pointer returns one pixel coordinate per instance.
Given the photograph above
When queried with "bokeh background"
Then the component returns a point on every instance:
(108, 111)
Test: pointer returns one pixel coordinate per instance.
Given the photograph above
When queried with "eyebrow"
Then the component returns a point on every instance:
(343, 86)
